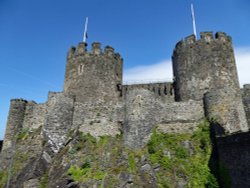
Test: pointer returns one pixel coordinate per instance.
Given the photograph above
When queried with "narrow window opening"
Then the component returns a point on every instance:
(80, 69)
(159, 91)
(165, 90)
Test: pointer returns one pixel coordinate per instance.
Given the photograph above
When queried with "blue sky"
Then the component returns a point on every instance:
(35, 37)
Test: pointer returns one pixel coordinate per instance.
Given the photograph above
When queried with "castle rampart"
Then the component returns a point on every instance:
(165, 90)
(34, 115)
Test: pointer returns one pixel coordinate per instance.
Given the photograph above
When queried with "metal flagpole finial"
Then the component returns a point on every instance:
(193, 20)
(85, 36)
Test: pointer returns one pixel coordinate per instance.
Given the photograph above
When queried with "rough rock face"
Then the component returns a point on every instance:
(58, 119)
(105, 162)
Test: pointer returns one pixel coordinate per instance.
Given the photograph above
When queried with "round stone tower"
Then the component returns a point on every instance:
(202, 65)
(15, 121)
(94, 76)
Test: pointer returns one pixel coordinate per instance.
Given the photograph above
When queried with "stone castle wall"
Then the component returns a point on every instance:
(95, 101)
(144, 111)
(163, 91)
(99, 119)
(34, 115)
(246, 101)
(234, 159)
(225, 108)
(14, 122)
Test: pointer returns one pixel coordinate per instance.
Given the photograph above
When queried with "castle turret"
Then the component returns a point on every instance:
(205, 69)
(15, 121)
(94, 76)
(202, 65)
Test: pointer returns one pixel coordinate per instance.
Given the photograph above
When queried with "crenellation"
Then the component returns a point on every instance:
(189, 40)
(19, 100)
(117, 56)
(109, 51)
(96, 48)
(206, 36)
(81, 49)
(163, 90)
(71, 52)
(223, 37)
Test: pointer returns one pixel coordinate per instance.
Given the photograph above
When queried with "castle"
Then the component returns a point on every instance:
(95, 101)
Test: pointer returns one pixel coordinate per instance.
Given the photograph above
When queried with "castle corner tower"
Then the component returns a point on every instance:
(202, 65)
(94, 76)
(205, 70)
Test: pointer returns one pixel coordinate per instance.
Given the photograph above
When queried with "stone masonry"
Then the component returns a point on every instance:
(95, 101)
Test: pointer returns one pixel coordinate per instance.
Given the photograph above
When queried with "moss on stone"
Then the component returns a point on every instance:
(44, 181)
(131, 163)
(183, 157)
(177, 159)
(3, 178)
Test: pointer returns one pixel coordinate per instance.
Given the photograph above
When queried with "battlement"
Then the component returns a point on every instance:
(96, 50)
(246, 86)
(19, 100)
(205, 37)
(163, 90)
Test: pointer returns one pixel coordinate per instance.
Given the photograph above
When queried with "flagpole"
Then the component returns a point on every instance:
(193, 20)
(85, 30)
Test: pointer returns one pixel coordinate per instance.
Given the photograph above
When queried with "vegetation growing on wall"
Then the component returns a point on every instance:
(178, 159)
(3, 178)
(183, 157)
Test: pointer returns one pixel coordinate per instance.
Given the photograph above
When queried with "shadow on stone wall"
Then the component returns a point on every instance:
(214, 162)
(1, 144)
(230, 158)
